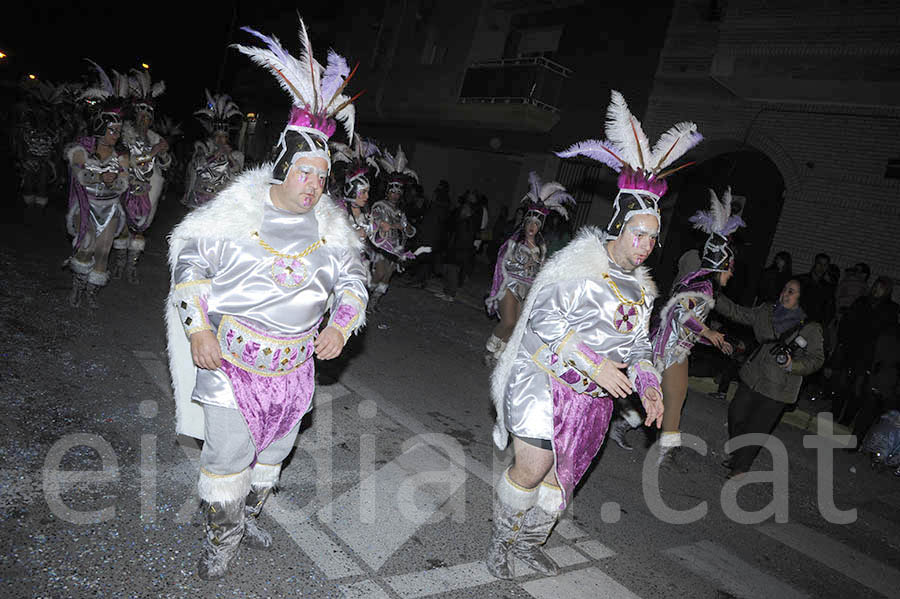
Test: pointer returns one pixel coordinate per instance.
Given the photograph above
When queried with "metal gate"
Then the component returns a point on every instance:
(586, 182)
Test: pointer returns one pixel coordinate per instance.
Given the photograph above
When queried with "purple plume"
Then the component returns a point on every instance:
(273, 44)
(731, 225)
(601, 151)
(336, 70)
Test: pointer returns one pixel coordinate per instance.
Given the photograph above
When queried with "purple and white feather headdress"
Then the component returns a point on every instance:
(107, 97)
(143, 91)
(397, 168)
(718, 223)
(542, 198)
(317, 96)
(642, 169)
(360, 157)
(218, 113)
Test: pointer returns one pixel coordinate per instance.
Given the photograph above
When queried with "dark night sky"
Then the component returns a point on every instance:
(184, 43)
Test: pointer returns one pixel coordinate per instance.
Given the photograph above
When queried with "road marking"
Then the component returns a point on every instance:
(314, 542)
(590, 583)
(729, 572)
(565, 556)
(440, 580)
(837, 556)
(363, 590)
(595, 549)
(380, 514)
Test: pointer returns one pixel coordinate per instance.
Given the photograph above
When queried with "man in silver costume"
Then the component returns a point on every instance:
(585, 320)
(149, 159)
(253, 274)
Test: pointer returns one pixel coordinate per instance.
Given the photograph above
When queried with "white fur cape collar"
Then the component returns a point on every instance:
(237, 211)
(585, 257)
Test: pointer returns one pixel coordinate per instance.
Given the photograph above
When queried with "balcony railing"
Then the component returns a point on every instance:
(534, 80)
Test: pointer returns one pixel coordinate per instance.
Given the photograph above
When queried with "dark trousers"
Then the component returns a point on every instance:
(751, 412)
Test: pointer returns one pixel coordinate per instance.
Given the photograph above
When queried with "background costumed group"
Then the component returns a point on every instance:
(277, 265)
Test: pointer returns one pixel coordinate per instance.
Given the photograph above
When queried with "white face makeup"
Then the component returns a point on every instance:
(631, 249)
(302, 186)
(307, 173)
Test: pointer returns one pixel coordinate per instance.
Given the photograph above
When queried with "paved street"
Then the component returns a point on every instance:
(388, 492)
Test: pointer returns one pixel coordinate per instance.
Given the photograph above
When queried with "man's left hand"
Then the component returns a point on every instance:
(329, 344)
(653, 405)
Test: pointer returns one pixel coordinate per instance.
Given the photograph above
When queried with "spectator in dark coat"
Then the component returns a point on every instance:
(818, 291)
(774, 278)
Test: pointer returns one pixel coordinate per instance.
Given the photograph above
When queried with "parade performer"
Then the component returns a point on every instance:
(99, 177)
(360, 160)
(520, 258)
(586, 317)
(391, 229)
(683, 321)
(38, 144)
(149, 159)
(214, 164)
(253, 273)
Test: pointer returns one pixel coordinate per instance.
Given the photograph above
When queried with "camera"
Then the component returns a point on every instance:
(783, 351)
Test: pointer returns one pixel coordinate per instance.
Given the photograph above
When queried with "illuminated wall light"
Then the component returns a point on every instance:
(145, 65)
(32, 77)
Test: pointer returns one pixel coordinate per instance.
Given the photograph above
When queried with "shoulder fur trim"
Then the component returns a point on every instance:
(585, 257)
(666, 311)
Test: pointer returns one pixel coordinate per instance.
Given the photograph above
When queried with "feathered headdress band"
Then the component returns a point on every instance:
(397, 168)
(143, 90)
(542, 198)
(718, 223)
(218, 113)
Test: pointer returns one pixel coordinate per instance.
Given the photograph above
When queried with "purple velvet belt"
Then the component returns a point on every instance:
(564, 372)
(271, 376)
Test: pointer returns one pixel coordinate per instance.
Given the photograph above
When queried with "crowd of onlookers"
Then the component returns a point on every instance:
(859, 319)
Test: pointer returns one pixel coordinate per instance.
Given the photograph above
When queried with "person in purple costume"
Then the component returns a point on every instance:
(586, 320)
(519, 260)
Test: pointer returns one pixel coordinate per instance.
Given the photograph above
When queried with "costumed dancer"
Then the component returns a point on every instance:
(586, 317)
(98, 178)
(391, 229)
(359, 159)
(253, 274)
(38, 144)
(214, 163)
(149, 159)
(519, 260)
(683, 321)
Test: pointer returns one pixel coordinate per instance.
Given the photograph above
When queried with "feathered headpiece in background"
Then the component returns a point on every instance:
(143, 90)
(360, 157)
(107, 98)
(396, 166)
(542, 198)
(218, 113)
(316, 93)
(168, 128)
(642, 170)
(718, 223)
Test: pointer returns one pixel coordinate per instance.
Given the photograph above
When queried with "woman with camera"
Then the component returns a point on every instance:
(791, 347)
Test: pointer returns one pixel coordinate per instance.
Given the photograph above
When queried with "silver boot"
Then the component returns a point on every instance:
(117, 263)
(256, 536)
(617, 430)
(223, 500)
(95, 280)
(539, 522)
(79, 283)
(224, 531)
(131, 265)
(511, 502)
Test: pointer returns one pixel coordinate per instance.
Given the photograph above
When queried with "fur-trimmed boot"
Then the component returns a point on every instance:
(80, 272)
(95, 280)
(511, 502)
(628, 420)
(117, 257)
(375, 297)
(539, 522)
(263, 479)
(135, 249)
(223, 499)
(669, 448)
(495, 347)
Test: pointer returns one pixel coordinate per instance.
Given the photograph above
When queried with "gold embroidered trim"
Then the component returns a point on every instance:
(618, 294)
(189, 283)
(540, 364)
(309, 250)
(270, 343)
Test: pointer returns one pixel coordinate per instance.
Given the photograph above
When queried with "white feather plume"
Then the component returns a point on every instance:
(626, 133)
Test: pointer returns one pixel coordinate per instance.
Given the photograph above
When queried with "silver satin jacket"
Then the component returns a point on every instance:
(565, 315)
(270, 289)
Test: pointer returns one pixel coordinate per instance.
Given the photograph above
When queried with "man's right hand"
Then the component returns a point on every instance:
(610, 377)
(205, 350)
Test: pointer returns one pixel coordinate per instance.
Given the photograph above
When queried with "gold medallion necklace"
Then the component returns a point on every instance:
(288, 270)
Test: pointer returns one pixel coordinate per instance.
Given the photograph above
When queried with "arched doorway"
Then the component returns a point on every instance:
(755, 181)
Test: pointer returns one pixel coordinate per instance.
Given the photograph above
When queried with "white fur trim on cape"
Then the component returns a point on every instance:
(235, 213)
(584, 257)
